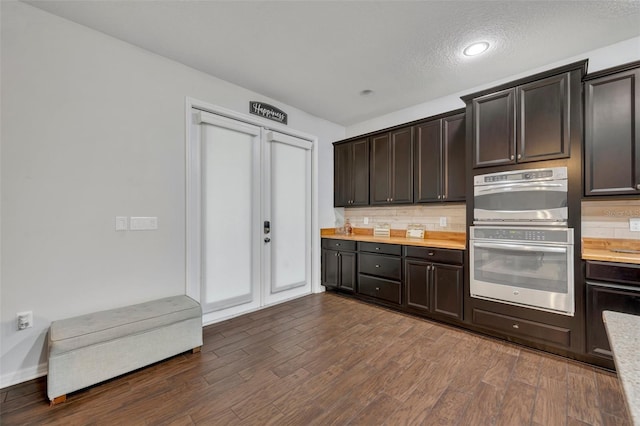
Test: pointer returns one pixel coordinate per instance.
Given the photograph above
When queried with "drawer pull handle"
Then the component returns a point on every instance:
(516, 326)
(431, 253)
(377, 248)
(377, 288)
(337, 244)
(377, 266)
(516, 292)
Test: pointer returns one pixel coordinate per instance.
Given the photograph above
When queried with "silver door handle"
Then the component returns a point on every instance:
(267, 240)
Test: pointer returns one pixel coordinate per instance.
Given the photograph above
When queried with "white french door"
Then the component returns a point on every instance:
(287, 203)
(250, 204)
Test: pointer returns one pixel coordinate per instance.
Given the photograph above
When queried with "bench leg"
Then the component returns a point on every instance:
(58, 400)
(196, 350)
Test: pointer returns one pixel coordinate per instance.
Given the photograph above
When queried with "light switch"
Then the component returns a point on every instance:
(144, 223)
(634, 224)
(121, 223)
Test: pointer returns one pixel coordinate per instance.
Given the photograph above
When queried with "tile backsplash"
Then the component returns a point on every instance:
(398, 217)
(609, 219)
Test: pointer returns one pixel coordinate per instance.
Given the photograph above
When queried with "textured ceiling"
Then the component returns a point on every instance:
(319, 55)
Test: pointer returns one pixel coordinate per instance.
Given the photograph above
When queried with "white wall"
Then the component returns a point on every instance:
(606, 57)
(92, 128)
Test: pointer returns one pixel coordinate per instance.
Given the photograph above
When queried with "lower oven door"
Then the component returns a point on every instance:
(538, 276)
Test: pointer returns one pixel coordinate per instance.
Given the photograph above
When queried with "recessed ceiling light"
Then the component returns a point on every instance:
(476, 48)
(366, 92)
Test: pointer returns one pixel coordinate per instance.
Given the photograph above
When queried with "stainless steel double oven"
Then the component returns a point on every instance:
(520, 248)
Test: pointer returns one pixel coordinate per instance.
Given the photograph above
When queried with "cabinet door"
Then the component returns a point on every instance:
(401, 167)
(417, 284)
(347, 271)
(342, 159)
(447, 290)
(612, 134)
(454, 164)
(379, 171)
(543, 119)
(606, 298)
(427, 164)
(493, 129)
(360, 173)
(330, 268)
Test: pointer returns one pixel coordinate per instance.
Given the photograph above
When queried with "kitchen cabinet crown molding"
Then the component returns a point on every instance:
(581, 65)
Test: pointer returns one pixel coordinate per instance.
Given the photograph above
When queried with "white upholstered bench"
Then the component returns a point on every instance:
(91, 348)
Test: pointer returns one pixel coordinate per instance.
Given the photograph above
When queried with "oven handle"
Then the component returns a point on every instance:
(520, 247)
(512, 186)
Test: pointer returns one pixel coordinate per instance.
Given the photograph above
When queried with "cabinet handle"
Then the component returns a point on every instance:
(337, 244)
(377, 288)
(511, 158)
(519, 156)
(377, 248)
(428, 267)
(638, 186)
(438, 197)
(377, 266)
(516, 326)
(444, 196)
(390, 199)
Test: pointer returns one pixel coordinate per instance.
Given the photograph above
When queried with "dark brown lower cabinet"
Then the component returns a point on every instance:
(380, 271)
(339, 264)
(434, 287)
(603, 297)
(610, 287)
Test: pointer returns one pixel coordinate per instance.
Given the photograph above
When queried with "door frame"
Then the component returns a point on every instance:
(193, 241)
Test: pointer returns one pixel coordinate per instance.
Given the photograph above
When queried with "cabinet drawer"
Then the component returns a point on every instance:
(382, 266)
(381, 248)
(434, 255)
(328, 243)
(614, 272)
(380, 288)
(521, 327)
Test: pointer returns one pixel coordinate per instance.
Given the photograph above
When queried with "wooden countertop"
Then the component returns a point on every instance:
(447, 240)
(606, 250)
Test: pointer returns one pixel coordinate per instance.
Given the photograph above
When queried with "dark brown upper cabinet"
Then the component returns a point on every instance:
(439, 160)
(351, 173)
(525, 123)
(612, 132)
(391, 167)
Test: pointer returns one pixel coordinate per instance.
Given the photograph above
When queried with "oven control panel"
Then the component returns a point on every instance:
(531, 175)
(556, 235)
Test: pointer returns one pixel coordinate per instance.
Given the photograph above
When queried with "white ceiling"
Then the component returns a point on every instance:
(319, 55)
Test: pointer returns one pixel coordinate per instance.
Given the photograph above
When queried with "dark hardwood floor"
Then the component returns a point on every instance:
(326, 359)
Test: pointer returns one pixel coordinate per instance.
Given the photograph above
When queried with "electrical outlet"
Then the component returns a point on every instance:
(25, 320)
(443, 221)
(634, 224)
(366, 221)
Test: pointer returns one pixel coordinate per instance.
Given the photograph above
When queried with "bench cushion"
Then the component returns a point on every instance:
(86, 330)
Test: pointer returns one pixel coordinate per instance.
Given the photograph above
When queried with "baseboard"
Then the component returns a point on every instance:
(22, 375)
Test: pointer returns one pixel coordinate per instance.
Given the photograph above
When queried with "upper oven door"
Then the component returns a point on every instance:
(521, 202)
(539, 276)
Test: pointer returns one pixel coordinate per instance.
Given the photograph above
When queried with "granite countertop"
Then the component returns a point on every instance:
(611, 250)
(446, 240)
(624, 336)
